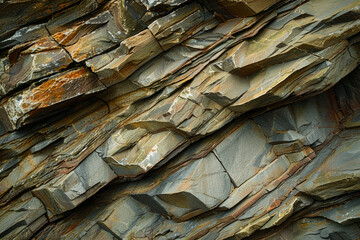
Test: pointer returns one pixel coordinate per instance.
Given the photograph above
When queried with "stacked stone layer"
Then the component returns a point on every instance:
(169, 119)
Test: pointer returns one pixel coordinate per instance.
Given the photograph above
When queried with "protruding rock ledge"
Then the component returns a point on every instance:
(45, 98)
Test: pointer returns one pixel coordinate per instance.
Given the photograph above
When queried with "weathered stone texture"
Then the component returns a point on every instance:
(169, 119)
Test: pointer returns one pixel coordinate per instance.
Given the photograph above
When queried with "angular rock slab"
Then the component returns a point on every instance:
(244, 153)
(19, 13)
(186, 111)
(68, 191)
(260, 180)
(196, 188)
(25, 34)
(158, 69)
(63, 19)
(24, 168)
(39, 100)
(339, 173)
(79, 31)
(178, 25)
(127, 216)
(310, 122)
(20, 219)
(313, 73)
(31, 62)
(121, 218)
(119, 141)
(118, 64)
(226, 88)
(150, 151)
(289, 38)
(102, 32)
(345, 214)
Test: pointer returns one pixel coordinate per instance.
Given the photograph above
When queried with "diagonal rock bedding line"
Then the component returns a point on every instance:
(169, 119)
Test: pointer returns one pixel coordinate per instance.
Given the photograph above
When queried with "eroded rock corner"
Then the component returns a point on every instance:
(169, 119)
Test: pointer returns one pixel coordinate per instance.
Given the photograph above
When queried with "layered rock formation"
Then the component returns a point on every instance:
(169, 119)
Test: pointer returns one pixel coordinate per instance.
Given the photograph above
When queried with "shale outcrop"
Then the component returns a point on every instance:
(180, 119)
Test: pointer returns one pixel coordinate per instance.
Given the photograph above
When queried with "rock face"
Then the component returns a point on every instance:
(168, 119)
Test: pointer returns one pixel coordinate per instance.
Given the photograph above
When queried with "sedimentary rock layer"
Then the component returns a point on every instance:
(168, 119)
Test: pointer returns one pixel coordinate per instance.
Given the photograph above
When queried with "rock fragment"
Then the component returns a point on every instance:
(31, 105)
(66, 192)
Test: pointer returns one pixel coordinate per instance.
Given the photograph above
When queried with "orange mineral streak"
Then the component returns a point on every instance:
(53, 90)
(66, 36)
(60, 36)
(305, 225)
(43, 44)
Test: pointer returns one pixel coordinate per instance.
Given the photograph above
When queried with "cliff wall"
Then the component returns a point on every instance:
(180, 119)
